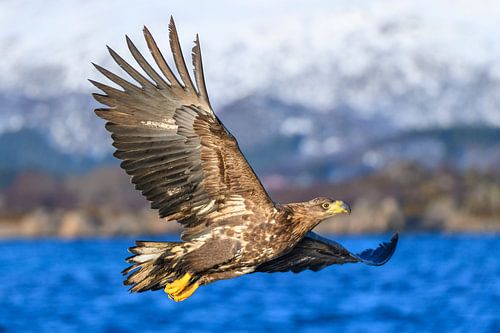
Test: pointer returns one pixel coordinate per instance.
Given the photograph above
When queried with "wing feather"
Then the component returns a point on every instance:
(180, 64)
(159, 59)
(138, 77)
(198, 71)
(160, 82)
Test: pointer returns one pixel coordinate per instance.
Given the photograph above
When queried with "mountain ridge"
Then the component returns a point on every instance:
(325, 80)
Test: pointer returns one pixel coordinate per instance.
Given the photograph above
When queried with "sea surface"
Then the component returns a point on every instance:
(434, 283)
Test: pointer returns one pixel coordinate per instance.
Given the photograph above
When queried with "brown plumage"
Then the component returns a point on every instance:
(188, 165)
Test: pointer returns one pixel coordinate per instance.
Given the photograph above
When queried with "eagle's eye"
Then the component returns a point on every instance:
(325, 205)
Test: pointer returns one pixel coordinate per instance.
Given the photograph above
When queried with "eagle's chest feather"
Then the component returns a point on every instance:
(266, 240)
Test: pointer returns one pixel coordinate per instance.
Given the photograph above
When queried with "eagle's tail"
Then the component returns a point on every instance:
(158, 265)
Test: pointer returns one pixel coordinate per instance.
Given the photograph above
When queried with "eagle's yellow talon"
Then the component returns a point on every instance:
(185, 293)
(178, 286)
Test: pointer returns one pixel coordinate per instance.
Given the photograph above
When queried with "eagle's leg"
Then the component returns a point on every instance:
(182, 288)
(217, 276)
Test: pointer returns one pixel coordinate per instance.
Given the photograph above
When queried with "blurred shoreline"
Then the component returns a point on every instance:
(403, 197)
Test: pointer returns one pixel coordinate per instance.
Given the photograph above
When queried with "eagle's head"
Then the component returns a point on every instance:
(323, 208)
(308, 214)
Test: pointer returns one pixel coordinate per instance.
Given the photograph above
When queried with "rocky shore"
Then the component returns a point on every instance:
(401, 198)
(82, 223)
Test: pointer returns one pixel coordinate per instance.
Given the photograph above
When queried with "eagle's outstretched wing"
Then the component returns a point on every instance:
(315, 253)
(180, 156)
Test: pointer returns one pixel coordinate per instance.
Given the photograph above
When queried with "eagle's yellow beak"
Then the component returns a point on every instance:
(339, 207)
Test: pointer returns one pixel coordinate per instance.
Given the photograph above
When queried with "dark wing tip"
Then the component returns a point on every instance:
(380, 255)
(111, 51)
(94, 82)
(395, 237)
(171, 25)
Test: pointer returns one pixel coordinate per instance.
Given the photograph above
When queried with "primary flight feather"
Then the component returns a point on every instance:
(187, 164)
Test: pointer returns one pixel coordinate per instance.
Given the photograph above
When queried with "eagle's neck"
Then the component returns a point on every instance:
(300, 218)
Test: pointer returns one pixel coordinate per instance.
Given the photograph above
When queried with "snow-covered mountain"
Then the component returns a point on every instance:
(327, 72)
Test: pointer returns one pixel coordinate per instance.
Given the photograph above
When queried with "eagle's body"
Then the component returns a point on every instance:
(188, 165)
(248, 243)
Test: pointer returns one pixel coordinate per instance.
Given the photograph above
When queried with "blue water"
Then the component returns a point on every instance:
(434, 283)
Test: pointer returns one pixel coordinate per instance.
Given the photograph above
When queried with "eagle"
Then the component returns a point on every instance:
(190, 168)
